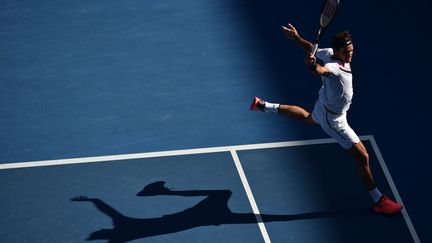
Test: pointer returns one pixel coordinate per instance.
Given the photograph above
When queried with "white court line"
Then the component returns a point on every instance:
(162, 154)
(393, 188)
(250, 196)
(217, 150)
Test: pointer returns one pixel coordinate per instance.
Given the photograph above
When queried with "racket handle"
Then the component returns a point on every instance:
(314, 49)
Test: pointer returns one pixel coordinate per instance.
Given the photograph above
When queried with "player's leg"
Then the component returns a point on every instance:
(296, 112)
(361, 155)
(382, 203)
(337, 127)
(292, 111)
(348, 139)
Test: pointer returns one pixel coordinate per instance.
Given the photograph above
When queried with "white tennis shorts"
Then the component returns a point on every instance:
(335, 125)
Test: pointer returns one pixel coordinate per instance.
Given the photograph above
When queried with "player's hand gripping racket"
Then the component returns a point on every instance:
(328, 13)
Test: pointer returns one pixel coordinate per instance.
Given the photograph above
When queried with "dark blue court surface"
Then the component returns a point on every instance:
(82, 79)
(200, 197)
(53, 217)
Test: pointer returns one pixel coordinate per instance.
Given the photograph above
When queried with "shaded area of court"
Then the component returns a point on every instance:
(320, 182)
(39, 209)
(298, 191)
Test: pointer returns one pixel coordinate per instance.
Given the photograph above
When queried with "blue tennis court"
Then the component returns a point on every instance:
(278, 192)
(129, 122)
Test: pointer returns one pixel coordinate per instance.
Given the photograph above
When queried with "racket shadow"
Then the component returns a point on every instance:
(213, 210)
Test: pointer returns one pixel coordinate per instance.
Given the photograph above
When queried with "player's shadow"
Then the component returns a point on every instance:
(213, 210)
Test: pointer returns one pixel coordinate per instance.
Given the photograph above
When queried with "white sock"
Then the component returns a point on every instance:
(271, 107)
(375, 194)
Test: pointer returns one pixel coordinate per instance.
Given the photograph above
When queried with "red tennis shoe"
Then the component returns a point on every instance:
(387, 206)
(257, 104)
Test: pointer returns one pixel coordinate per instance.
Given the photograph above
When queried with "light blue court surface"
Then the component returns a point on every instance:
(252, 193)
(87, 81)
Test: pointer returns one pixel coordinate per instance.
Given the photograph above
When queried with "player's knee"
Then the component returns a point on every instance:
(364, 158)
(304, 115)
(309, 119)
(362, 154)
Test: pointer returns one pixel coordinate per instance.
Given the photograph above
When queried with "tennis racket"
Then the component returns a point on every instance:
(328, 13)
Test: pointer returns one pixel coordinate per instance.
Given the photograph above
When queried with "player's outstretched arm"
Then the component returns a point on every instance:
(292, 33)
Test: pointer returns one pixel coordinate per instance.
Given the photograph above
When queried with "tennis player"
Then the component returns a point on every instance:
(330, 110)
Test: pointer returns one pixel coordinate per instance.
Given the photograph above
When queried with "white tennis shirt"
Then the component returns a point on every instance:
(337, 90)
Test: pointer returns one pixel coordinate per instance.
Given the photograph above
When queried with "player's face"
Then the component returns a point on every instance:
(345, 53)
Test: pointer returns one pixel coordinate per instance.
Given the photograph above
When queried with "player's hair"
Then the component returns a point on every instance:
(342, 39)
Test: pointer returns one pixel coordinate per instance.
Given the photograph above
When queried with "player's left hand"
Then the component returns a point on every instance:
(290, 31)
